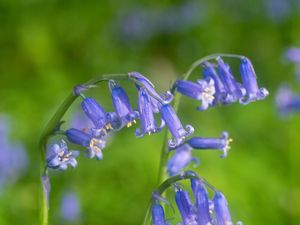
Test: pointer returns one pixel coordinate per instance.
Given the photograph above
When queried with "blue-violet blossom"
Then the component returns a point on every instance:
(221, 209)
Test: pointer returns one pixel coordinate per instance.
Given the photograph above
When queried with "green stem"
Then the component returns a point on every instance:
(55, 121)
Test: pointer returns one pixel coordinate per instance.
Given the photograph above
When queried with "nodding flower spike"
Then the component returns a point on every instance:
(96, 114)
(173, 123)
(221, 209)
(209, 72)
(185, 207)
(234, 90)
(142, 81)
(148, 123)
(158, 215)
(253, 93)
(201, 202)
(181, 159)
(121, 104)
(221, 143)
(94, 145)
(58, 156)
(203, 91)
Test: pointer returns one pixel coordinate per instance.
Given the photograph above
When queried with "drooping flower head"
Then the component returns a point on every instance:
(173, 123)
(221, 143)
(234, 89)
(59, 157)
(221, 209)
(158, 215)
(147, 119)
(201, 202)
(121, 104)
(185, 207)
(253, 92)
(93, 144)
(181, 159)
(203, 91)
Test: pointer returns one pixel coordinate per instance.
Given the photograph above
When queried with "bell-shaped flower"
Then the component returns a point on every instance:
(221, 143)
(253, 92)
(201, 202)
(181, 159)
(59, 157)
(147, 119)
(158, 215)
(93, 144)
(203, 91)
(95, 112)
(173, 123)
(221, 209)
(121, 104)
(185, 207)
(209, 72)
(234, 89)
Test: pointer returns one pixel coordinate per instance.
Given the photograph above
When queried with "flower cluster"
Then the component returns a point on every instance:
(201, 211)
(154, 112)
(220, 86)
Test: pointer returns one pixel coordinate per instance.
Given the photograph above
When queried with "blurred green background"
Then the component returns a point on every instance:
(47, 47)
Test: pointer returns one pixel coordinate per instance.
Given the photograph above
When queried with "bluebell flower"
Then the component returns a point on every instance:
(221, 143)
(93, 144)
(201, 202)
(293, 54)
(180, 159)
(203, 91)
(95, 112)
(142, 81)
(234, 89)
(221, 209)
(58, 156)
(173, 123)
(147, 119)
(121, 104)
(70, 207)
(158, 215)
(286, 101)
(253, 93)
(185, 207)
(209, 72)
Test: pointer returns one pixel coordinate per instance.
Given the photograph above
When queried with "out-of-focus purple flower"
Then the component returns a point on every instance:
(221, 209)
(185, 207)
(93, 144)
(148, 123)
(293, 54)
(181, 159)
(253, 92)
(201, 202)
(81, 122)
(58, 156)
(70, 207)
(234, 90)
(221, 143)
(13, 157)
(173, 123)
(121, 104)
(286, 101)
(158, 215)
(203, 91)
(46, 187)
(278, 10)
